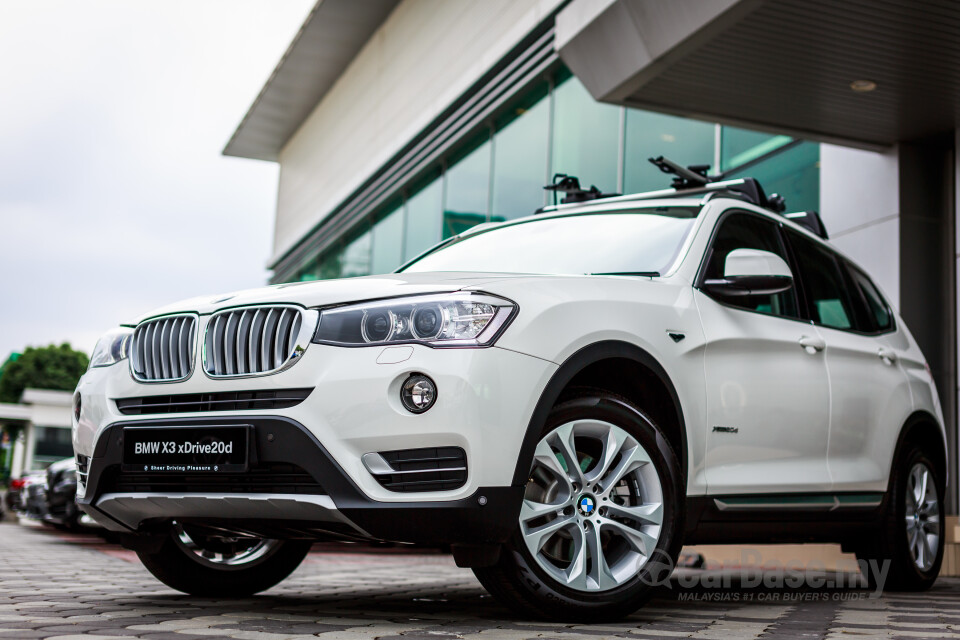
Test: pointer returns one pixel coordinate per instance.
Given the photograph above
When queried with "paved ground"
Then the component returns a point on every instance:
(60, 586)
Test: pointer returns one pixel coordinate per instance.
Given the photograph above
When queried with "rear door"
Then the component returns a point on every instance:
(869, 394)
(767, 389)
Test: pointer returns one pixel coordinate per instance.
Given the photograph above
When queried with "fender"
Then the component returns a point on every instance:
(916, 418)
(561, 378)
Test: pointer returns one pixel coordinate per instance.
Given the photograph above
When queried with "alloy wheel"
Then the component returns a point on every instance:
(593, 506)
(225, 552)
(922, 517)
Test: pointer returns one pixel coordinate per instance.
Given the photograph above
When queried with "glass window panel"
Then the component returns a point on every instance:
(329, 266)
(388, 242)
(629, 242)
(823, 283)
(878, 313)
(651, 134)
(746, 231)
(586, 137)
(423, 220)
(356, 256)
(467, 188)
(793, 173)
(740, 146)
(520, 158)
(307, 271)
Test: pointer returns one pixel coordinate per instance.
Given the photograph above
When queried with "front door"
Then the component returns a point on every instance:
(768, 394)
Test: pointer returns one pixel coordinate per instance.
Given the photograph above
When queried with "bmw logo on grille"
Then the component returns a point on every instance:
(586, 505)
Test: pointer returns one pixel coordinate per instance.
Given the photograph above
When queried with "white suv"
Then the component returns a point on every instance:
(564, 399)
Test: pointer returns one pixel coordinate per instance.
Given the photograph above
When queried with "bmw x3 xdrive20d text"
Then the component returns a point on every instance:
(563, 399)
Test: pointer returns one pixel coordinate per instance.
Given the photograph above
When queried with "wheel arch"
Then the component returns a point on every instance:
(619, 367)
(922, 427)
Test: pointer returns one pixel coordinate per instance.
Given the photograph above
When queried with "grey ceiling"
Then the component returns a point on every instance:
(788, 64)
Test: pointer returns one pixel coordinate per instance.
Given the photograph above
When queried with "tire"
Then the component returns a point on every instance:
(891, 563)
(612, 588)
(177, 564)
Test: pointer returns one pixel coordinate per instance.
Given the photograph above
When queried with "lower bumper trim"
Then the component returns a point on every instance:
(126, 511)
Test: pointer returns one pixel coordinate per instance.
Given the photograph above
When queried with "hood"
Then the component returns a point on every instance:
(326, 292)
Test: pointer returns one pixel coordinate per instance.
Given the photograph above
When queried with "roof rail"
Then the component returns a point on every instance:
(688, 181)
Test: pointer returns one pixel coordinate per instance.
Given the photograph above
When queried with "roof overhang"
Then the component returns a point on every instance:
(778, 65)
(330, 38)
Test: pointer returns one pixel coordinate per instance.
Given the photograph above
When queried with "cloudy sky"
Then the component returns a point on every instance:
(114, 197)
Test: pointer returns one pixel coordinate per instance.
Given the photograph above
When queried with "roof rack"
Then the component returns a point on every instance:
(570, 185)
(692, 180)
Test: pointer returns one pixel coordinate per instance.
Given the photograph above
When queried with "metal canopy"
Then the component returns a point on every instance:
(328, 41)
(782, 65)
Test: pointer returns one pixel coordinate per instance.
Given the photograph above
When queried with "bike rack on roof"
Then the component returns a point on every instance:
(688, 181)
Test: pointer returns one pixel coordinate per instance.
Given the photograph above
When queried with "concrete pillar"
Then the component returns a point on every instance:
(928, 263)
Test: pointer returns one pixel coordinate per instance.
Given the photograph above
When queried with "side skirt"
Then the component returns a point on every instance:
(783, 518)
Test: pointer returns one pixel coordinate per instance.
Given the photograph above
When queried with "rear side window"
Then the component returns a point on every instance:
(879, 317)
(747, 231)
(823, 283)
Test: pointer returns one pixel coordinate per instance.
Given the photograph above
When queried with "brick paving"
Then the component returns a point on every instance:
(60, 586)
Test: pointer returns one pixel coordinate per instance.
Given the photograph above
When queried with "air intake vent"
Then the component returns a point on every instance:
(256, 341)
(219, 401)
(162, 349)
(417, 470)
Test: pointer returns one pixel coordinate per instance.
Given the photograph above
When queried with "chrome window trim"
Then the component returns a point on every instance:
(192, 342)
(308, 326)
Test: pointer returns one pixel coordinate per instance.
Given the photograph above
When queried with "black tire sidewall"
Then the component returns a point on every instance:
(626, 598)
(904, 572)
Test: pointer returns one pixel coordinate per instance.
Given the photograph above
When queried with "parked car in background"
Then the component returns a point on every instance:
(61, 493)
(33, 497)
(14, 497)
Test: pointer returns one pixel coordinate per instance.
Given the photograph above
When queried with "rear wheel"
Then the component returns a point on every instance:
(601, 518)
(195, 562)
(909, 549)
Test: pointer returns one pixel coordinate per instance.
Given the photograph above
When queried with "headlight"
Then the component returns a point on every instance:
(448, 320)
(112, 347)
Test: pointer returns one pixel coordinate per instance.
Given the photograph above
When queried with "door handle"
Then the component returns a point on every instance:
(812, 345)
(887, 356)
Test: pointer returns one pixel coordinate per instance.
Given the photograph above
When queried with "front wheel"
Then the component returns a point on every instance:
(221, 565)
(601, 519)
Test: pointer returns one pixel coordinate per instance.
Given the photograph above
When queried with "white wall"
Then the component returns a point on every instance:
(860, 206)
(424, 56)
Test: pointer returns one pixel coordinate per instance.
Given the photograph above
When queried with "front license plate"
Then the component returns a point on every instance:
(185, 449)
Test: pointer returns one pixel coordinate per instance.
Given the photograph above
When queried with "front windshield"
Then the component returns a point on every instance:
(642, 241)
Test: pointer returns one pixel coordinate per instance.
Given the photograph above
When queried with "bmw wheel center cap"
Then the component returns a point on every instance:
(586, 505)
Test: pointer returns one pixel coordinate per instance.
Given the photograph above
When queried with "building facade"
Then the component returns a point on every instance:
(397, 123)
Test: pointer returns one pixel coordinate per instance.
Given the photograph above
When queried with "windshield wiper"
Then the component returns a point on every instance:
(645, 274)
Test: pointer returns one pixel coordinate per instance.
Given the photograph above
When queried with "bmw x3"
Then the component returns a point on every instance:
(564, 400)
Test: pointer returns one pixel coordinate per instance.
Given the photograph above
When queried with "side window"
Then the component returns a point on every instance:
(748, 231)
(823, 283)
(878, 312)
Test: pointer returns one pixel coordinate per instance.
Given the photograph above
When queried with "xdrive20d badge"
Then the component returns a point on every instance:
(563, 400)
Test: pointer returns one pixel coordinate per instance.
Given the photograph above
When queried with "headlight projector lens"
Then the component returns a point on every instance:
(377, 326)
(418, 393)
(427, 322)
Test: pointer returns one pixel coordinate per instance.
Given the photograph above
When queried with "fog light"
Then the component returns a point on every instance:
(418, 393)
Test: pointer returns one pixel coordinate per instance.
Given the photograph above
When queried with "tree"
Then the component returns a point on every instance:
(52, 367)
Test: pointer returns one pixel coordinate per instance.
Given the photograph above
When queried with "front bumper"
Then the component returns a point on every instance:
(328, 504)
(485, 400)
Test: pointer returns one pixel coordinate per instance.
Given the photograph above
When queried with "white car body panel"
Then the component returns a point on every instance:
(732, 368)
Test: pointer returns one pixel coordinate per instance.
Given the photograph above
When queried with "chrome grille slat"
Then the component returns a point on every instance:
(162, 349)
(255, 340)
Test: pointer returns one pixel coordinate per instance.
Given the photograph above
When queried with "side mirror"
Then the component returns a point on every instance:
(751, 272)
